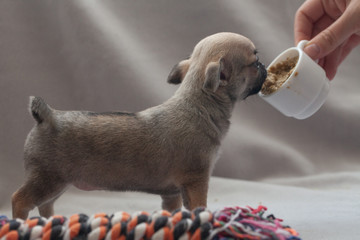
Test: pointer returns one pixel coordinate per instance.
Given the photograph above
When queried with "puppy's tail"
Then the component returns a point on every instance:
(40, 110)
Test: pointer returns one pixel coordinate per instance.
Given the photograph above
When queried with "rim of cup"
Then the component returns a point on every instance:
(285, 55)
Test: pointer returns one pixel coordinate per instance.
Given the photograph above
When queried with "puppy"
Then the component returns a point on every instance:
(168, 149)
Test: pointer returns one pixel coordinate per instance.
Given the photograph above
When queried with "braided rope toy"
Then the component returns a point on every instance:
(228, 223)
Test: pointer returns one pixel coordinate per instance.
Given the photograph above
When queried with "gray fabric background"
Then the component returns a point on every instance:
(116, 55)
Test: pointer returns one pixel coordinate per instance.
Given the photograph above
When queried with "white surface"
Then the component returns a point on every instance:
(318, 207)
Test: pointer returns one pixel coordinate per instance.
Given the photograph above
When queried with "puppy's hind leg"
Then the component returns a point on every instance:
(20, 203)
(37, 191)
(171, 202)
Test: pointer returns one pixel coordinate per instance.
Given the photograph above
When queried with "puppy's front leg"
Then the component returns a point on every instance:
(171, 202)
(47, 209)
(194, 193)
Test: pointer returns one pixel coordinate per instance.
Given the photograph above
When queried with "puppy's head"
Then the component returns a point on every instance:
(223, 64)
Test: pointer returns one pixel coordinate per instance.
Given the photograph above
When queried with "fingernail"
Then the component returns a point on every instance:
(312, 50)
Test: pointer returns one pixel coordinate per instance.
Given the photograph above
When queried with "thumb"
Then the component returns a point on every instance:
(330, 38)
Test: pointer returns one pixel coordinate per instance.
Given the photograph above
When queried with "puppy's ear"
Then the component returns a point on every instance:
(178, 72)
(217, 74)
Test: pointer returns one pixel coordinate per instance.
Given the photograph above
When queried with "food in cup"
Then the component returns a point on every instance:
(278, 74)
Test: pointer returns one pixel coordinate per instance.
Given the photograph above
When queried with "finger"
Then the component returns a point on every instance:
(330, 72)
(330, 38)
(321, 62)
(322, 23)
(353, 42)
(332, 62)
(305, 18)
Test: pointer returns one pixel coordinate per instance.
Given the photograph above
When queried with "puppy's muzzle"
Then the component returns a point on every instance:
(262, 74)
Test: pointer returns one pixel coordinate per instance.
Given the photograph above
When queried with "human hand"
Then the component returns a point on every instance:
(333, 28)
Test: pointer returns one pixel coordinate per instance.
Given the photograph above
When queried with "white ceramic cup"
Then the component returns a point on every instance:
(305, 90)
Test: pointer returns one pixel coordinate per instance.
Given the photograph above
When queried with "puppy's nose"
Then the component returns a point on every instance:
(259, 80)
(263, 72)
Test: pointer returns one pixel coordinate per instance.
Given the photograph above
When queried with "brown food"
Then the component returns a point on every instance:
(278, 74)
